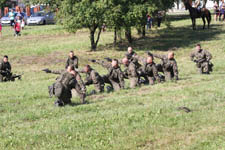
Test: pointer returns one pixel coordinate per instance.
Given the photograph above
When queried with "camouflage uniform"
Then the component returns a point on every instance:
(5, 70)
(151, 72)
(72, 62)
(63, 86)
(131, 73)
(129, 56)
(114, 77)
(168, 67)
(202, 59)
(93, 77)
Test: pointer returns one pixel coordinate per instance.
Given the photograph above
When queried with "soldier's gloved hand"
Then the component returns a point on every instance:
(195, 61)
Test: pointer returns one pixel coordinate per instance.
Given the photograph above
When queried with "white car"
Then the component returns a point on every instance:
(41, 18)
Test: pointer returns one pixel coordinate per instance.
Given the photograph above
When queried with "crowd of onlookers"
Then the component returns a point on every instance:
(16, 22)
(219, 11)
(157, 19)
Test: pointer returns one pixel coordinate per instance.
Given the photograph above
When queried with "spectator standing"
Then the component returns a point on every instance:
(17, 27)
(22, 24)
(149, 22)
(12, 17)
(19, 16)
(216, 10)
(159, 18)
(222, 9)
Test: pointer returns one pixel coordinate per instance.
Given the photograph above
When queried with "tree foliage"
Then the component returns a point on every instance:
(116, 14)
(2, 3)
(132, 13)
(84, 14)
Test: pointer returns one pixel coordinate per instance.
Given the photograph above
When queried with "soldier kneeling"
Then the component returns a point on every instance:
(5, 71)
(202, 59)
(67, 81)
(93, 77)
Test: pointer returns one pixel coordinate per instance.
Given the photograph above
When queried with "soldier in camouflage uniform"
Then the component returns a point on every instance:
(68, 80)
(72, 60)
(115, 75)
(202, 59)
(93, 77)
(131, 72)
(5, 69)
(150, 71)
(168, 66)
(130, 53)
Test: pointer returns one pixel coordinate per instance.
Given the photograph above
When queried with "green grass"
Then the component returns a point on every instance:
(142, 118)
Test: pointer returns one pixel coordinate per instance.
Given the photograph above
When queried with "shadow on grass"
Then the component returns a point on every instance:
(170, 39)
(73, 104)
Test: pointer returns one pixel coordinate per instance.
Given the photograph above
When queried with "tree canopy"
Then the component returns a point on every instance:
(115, 14)
(2, 3)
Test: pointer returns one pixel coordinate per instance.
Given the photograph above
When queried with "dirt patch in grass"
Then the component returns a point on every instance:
(50, 59)
(54, 58)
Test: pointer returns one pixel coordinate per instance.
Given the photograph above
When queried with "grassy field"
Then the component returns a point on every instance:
(145, 118)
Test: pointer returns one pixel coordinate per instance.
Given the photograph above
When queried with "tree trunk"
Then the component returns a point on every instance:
(128, 34)
(143, 31)
(99, 33)
(139, 30)
(92, 38)
(119, 34)
(115, 37)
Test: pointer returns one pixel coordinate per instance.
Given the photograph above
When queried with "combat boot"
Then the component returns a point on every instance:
(59, 103)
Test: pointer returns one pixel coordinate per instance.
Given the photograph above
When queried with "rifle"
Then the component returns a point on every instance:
(12, 77)
(108, 59)
(46, 70)
(200, 60)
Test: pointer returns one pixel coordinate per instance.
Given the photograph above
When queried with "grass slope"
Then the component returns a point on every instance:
(142, 118)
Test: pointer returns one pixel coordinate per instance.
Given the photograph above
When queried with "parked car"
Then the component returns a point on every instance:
(41, 18)
(6, 20)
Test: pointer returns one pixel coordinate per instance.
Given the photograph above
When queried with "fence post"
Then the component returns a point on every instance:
(6, 10)
(28, 11)
(17, 8)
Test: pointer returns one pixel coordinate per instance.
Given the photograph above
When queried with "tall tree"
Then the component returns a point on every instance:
(77, 14)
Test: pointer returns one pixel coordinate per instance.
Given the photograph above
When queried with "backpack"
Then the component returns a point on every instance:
(58, 89)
